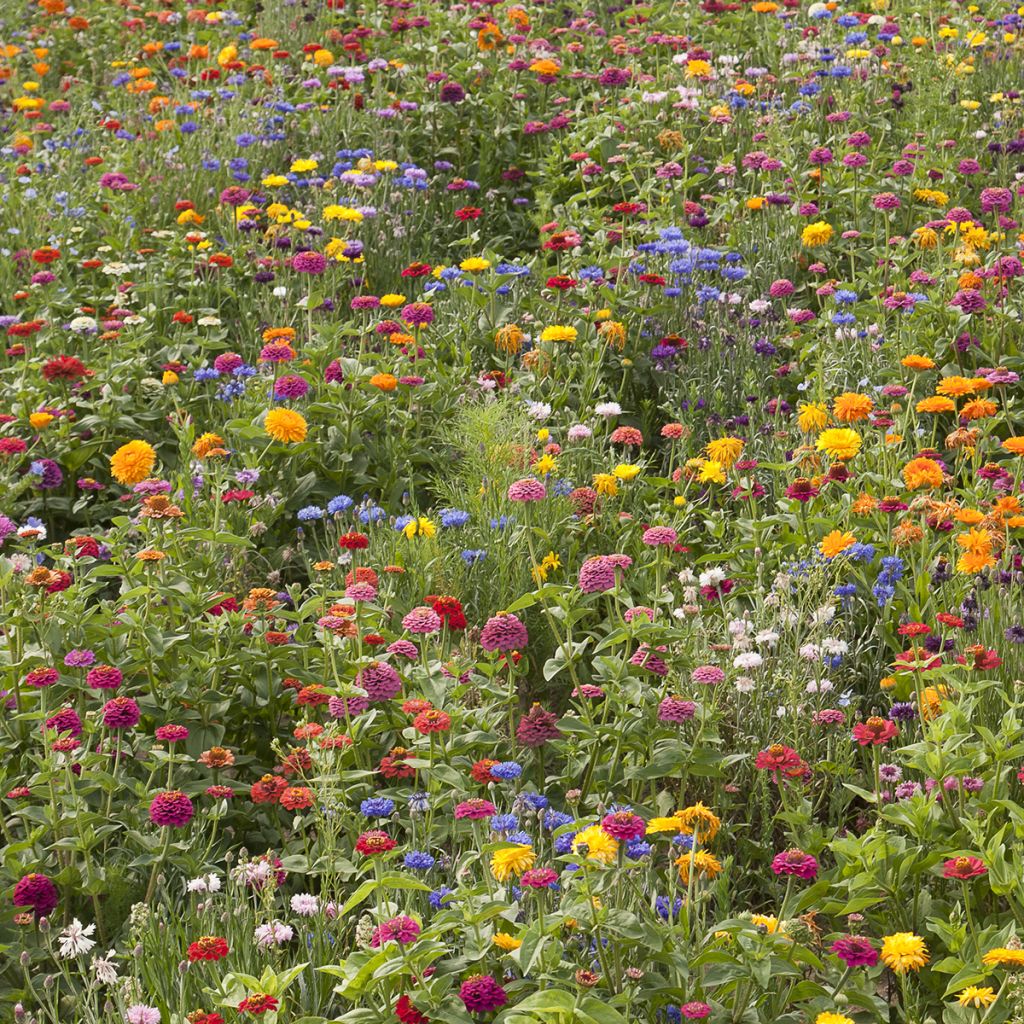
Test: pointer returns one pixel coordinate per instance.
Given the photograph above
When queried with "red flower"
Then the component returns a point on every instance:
(417, 270)
(875, 731)
(393, 766)
(953, 621)
(209, 947)
(964, 868)
(296, 798)
(64, 368)
(433, 720)
(777, 758)
(47, 254)
(481, 771)
(369, 844)
(450, 611)
(408, 1014)
(466, 213)
(268, 790)
(353, 541)
(258, 1003)
(914, 629)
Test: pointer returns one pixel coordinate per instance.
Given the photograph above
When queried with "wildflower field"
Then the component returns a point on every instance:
(511, 512)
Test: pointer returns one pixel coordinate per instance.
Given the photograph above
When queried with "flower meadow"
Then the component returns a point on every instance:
(511, 511)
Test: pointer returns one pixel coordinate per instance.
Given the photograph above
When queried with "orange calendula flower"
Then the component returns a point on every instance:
(852, 407)
(835, 543)
(133, 462)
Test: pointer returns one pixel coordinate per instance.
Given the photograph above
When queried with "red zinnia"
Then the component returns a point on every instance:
(964, 868)
(257, 1003)
(373, 842)
(353, 541)
(875, 731)
(296, 798)
(209, 947)
(408, 1014)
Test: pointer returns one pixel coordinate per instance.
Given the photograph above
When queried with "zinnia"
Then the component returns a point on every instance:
(133, 462)
(285, 425)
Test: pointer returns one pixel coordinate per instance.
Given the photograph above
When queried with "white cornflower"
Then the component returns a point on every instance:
(748, 660)
(74, 940)
(105, 969)
(608, 409)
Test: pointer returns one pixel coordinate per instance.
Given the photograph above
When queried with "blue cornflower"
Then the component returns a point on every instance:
(451, 517)
(309, 513)
(507, 770)
(471, 556)
(377, 807)
(342, 503)
(441, 897)
(503, 822)
(416, 860)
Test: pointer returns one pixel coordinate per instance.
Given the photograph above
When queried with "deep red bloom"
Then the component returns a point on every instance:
(209, 947)
(257, 1004)
(408, 1014)
(64, 368)
(353, 541)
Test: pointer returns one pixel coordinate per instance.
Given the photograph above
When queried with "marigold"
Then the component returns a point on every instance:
(133, 462)
(285, 425)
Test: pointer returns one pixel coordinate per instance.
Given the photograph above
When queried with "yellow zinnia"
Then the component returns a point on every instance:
(725, 450)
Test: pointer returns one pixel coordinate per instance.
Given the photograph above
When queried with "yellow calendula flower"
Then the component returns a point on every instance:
(812, 416)
(506, 942)
(302, 166)
(770, 923)
(597, 844)
(979, 998)
(474, 264)
(544, 465)
(725, 450)
(512, 861)
(711, 472)
(626, 471)
(274, 181)
(835, 543)
(40, 420)
(700, 821)
(285, 425)
(557, 332)
(133, 462)
(1003, 957)
(904, 951)
(606, 484)
(673, 824)
(346, 213)
(839, 442)
(832, 1018)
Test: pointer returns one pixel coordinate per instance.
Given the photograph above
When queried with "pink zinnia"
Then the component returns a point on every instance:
(422, 620)
(658, 536)
(795, 862)
(104, 677)
(708, 674)
(475, 809)
(379, 680)
(597, 575)
(695, 1010)
(527, 490)
(675, 709)
(121, 713)
(855, 951)
(309, 262)
(171, 809)
(37, 892)
(623, 825)
(503, 633)
(402, 930)
(482, 994)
